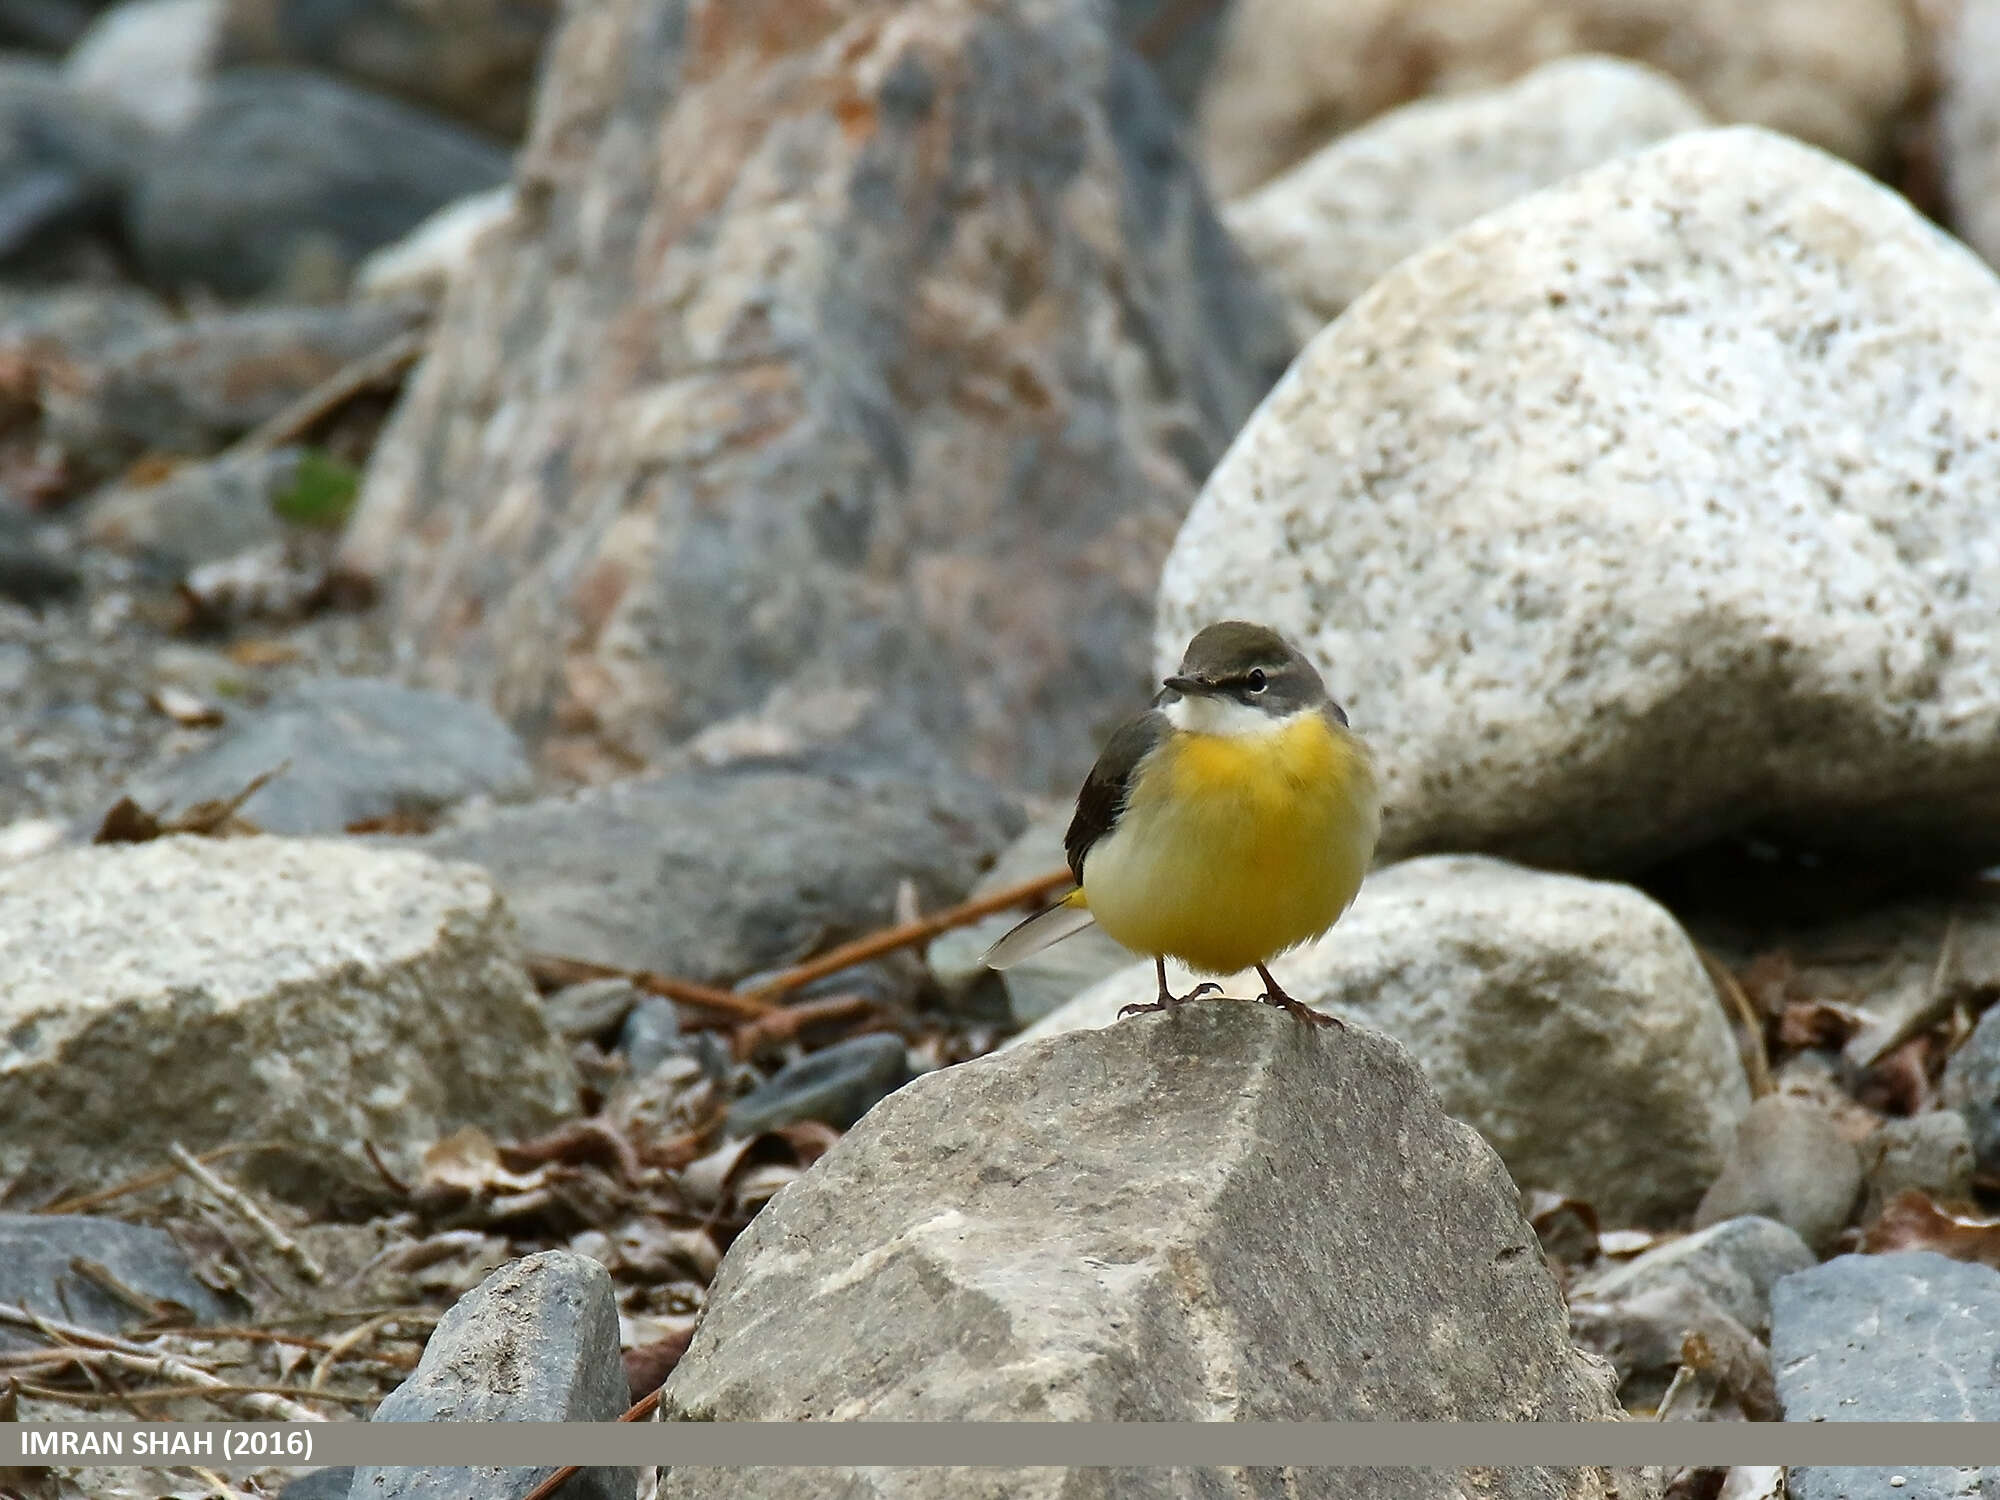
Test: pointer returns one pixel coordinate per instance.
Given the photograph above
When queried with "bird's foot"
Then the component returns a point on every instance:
(1168, 1001)
(1305, 1013)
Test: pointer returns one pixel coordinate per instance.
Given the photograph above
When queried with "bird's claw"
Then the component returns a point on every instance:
(1303, 1012)
(1168, 1001)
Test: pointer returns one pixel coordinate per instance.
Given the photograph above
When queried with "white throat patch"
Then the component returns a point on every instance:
(1224, 716)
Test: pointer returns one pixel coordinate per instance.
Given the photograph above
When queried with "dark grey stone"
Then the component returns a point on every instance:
(1908, 1337)
(65, 164)
(838, 1085)
(321, 1484)
(358, 748)
(1972, 1087)
(1931, 1152)
(1736, 1263)
(29, 572)
(713, 875)
(35, 1255)
(537, 1341)
(651, 1034)
(592, 1011)
(287, 178)
(1178, 41)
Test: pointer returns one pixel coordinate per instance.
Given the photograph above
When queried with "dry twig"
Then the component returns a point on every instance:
(1758, 1063)
(380, 366)
(299, 1257)
(638, 1411)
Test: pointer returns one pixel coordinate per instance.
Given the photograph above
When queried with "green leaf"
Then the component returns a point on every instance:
(321, 493)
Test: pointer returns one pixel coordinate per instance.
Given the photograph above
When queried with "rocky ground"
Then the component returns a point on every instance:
(557, 574)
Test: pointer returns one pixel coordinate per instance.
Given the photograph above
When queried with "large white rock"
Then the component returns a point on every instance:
(151, 58)
(1325, 230)
(1210, 1215)
(1569, 1021)
(1657, 505)
(312, 995)
(1293, 74)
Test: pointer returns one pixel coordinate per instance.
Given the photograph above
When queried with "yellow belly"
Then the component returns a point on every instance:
(1234, 848)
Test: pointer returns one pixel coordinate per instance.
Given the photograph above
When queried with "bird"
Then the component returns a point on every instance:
(1226, 824)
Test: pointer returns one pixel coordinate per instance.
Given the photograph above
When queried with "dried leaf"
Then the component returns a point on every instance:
(1913, 1221)
(1900, 1083)
(576, 1142)
(1621, 1243)
(259, 652)
(1817, 1025)
(1771, 982)
(464, 1170)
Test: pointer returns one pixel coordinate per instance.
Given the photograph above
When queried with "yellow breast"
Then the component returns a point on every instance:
(1233, 848)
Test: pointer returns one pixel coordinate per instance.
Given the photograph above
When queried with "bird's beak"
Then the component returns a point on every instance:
(1191, 686)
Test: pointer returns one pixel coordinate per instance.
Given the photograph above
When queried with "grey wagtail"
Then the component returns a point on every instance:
(1231, 821)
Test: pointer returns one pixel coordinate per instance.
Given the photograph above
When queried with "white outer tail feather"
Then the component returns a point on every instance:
(1026, 939)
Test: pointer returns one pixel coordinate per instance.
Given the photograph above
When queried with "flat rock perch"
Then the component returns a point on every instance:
(1213, 1214)
(309, 994)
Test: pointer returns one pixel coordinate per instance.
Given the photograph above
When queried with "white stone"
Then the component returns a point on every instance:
(1326, 229)
(1653, 506)
(1293, 74)
(313, 995)
(150, 58)
(1569, 1021)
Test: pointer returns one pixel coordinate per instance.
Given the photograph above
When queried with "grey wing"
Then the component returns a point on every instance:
(1105, 789)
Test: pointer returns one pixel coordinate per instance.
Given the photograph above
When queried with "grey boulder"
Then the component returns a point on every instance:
(306, 995)
(1568, 1020)
(1652, 507)
(837, 1085)
(1972, 1087)
(347, 750)
(1907, 1337)
(1218, 1214)
(537, 1341)
(716, 874)
(927, 390)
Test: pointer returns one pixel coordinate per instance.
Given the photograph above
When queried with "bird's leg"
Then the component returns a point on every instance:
(1167, 998)
(1274, 995)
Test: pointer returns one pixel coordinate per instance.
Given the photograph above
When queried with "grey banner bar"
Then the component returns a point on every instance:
(1018, 1444)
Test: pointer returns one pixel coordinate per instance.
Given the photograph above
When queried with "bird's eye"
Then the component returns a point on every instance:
(1257, 681)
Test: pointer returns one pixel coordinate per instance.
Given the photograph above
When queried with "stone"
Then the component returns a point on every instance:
(1053, 977)
(1651, 508)
(201, 512)
(537, 1341)
(43, 25)
(1293, 74)
(36, 1251)
(1569, 1021)
(286, 179)
(1907, 1337)
(152, 59)
(1178, 42)
(470, 59)
(1931, 1152)
(65, 164)
(31, 572)
(1972, 1087)
(1216, 1214)
(305, 994)
(650, 1034)
(1968, 122)
(718, 873)
(1789, 1163)
(1735, 1263)
(838, 1084)
(1324, 231)
(941, 330)
(349, 750)
(423, 262)
(321, 1484)
(594, 1011)
(190, 388)
(1642, 1333)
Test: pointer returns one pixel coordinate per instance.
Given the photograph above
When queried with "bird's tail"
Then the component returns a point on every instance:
(1025, 939)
